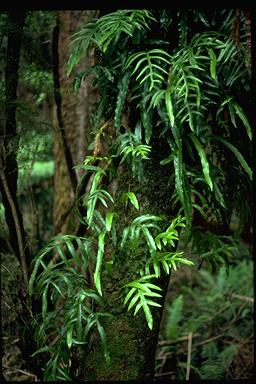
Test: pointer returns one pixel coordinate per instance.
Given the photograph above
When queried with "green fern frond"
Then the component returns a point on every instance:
(237, 154)
(165, 261)
(99, 258)
(204, 161)
(111, 25)
(81, 42)
(105, 30)
(140, 289)
(174, 316)
(216, 363)
(151, 66)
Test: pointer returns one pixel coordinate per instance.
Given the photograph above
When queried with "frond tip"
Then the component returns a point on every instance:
(140, 289)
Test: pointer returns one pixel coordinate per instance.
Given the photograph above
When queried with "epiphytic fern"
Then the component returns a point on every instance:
(150, 66)
(107, 29)
(141, 291)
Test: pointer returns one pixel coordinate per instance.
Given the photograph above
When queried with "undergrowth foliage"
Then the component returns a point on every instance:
(187, 94)
(222, 329)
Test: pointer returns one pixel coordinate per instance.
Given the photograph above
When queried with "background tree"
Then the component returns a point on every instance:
(71, 117)
(9, 145)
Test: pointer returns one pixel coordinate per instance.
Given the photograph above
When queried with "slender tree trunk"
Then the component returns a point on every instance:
(71, 116)
(9, 144)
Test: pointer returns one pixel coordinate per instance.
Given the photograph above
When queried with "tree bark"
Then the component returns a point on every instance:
(9, 144)
(131, 344)
(75, 114)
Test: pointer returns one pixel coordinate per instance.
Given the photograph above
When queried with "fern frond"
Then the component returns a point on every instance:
(174, 315)
(204, 161)
(111, 25)
(81, 42)
(166, 261)
(140, 289)
(151, 66)
(237, 154)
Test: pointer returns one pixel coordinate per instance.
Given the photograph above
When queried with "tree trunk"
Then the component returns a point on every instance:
(75, 114)
(9, 144)
(131, 344)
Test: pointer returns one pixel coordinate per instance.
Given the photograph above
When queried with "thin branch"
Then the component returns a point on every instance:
(179, 340)
(21, 371)
(190, 335)
(164, 374)
(244, 298)
(209, 340)
(16, 223)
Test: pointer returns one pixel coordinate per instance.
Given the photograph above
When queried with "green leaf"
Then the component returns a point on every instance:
(146, 118)
(44, 303)
(219, 194)
(177, 161)
(236, 152)
(129, 295)
(133, 199)
(149, 238)
(156, 269)
(244, 119)
(168, 159)
(203, 159)
(89, 325)
(138, 306)
(124, 236)
(103, 339)
(133, 301)
(69, 337)
(169, 108)
(157, 96)
(57, 288)
(213, 62)
(33, 275)
(184, 261)
(62, 254)
(100, 253)
(231, 110)
(72, 251)
(47, 348)
(109, 220)
(142, 218)
(153, 303)
(148, 315)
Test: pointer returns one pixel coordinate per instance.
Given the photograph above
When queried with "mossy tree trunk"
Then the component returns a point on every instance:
(131, 344)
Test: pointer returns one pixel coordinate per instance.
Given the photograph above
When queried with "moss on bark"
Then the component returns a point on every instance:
(131, 343)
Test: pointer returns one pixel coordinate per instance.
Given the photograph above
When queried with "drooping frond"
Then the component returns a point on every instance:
(106, 30)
